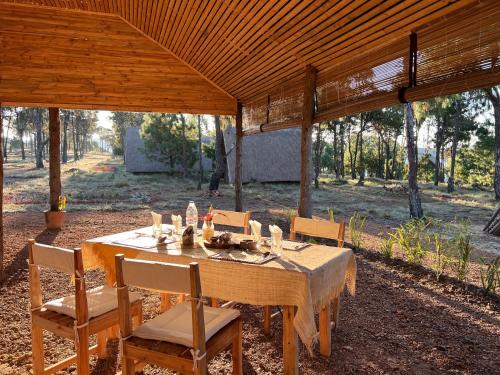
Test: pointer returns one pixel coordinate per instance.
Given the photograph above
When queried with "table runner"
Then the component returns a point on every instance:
(308, 279)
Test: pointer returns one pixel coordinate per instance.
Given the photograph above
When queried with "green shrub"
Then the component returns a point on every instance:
(387, 248)
(357, 225)
(490, 274)
(462, 247)
(411, 239)
(439, 256)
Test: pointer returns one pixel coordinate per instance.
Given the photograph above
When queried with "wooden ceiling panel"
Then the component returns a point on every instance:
(72, 59)
(247, 48)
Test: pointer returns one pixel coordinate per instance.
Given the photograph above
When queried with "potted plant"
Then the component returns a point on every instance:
(55, 219)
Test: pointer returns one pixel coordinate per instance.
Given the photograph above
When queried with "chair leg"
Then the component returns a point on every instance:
(237, 352)
(102, 343)
(82, 351)
(267, 320)
(128, 366)
(37, 349)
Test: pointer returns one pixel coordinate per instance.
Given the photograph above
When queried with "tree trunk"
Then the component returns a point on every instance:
(200, 154)
(387, 159)
(75, 137)
(65, 140)
(317, 159)
(394, 157)
(55, 158)
(184, 154)
(437, 159)
(413, 191)
(23, 153)
(220, 160)
(451, 179)
(6, 138)
(380, 162)
(39, 140)
(361, 179)
(336, 169)
(238, 204)
(496, 183)
(349, 149)
(1, 200)
(340, 165)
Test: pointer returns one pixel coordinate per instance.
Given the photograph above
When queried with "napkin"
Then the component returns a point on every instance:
(156, 219)
(176, 218)
(275, 231)
(177, 222)
(256, 228)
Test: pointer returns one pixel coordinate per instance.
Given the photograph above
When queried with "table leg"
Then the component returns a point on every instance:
(290, 342)
(164, 302)
(325, 331)
(267, 320)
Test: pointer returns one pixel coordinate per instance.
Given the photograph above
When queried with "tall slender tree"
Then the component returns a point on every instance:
(493, 95)
(415, 203)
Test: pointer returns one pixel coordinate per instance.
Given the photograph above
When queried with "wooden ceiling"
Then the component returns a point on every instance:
(228, 50)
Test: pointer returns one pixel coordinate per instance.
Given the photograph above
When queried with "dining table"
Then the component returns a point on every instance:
(302, 280)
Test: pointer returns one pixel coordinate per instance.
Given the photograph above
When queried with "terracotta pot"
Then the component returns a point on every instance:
(54, 219)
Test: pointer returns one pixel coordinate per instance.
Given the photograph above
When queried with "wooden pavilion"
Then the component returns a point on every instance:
(272, 63)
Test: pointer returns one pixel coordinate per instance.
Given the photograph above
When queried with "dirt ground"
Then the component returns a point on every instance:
(400, 321)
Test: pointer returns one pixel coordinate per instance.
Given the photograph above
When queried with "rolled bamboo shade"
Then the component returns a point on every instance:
(455, 54)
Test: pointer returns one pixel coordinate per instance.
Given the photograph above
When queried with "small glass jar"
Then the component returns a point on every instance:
(207, 230)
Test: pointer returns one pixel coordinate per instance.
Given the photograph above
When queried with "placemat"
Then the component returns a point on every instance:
(144, 242)
(243, 257)
(288, 244)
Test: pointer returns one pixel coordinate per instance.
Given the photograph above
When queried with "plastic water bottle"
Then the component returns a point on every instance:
(192, 216)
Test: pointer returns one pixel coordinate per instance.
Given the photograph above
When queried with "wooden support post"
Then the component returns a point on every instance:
(290, 342)
(305, 208)
(55, 158)
(237, 169)
(1, 195)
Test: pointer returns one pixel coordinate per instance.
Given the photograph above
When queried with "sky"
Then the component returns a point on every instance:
(103, 119)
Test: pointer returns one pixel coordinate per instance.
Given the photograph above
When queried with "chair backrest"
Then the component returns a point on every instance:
(66, 260)
(317, 228)
(162, 277)
(232, 219)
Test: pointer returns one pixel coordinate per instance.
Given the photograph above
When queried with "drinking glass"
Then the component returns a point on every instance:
(276, 244)
(157, 231)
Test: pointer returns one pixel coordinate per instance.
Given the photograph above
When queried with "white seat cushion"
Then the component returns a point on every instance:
(176, 325)
(100, 300)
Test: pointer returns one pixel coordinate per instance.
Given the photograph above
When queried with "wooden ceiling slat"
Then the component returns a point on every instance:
(246, 23)
(185, 34)
(303, 16)
(352, 42)
(295, 46)
(216, 35)
(222, 39)
(198, 30)
(182, 13)
(248, 48)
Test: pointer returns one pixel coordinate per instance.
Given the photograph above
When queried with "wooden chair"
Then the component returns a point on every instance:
(75, 317)
(233, 219)
(179, 339)
(324, 229)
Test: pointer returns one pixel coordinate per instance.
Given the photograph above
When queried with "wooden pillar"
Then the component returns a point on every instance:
(55, 158)
(1, 195)
(305, 208)
(237, 168)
